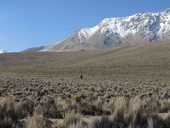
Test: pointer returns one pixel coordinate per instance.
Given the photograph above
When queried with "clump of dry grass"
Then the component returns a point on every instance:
(91, 109)
(155, 121)
(25, 108)
(73, 120)
(38, 122)
(118, 106)
(150, 123)
(78, 125)
(49, 108)
(85, 107)
(103, 122)
(165, 106)
(135, 105)
(135, 117)
(8, 115)
(151, 105)
(7, 105)
(69, 105)
(71, 117)
(112, 122)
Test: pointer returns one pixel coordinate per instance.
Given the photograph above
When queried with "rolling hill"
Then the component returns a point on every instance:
(147, 61)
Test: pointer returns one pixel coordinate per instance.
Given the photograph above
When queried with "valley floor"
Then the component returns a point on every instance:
(46, 102)
(124, 88)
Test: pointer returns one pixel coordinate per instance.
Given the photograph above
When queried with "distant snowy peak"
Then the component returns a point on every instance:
(118, 32)
(2, 51)
(84, 34)
(167, 11)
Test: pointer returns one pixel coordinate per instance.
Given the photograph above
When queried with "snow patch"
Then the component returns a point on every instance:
(2, 51)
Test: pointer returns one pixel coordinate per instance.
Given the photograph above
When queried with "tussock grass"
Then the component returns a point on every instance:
(25, 108)
(8, 115)
(73, 120)
(136, 112)
(119, 106)
(49, 108)
(38, 122)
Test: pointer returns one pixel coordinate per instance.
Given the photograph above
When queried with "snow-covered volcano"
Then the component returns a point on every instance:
(118, 32)
(2, 51)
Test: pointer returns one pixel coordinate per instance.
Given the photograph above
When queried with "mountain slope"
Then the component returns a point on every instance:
(118, 32)
(142, 62)
(34, 49)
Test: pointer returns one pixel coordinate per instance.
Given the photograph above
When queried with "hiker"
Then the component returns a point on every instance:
(81, 77)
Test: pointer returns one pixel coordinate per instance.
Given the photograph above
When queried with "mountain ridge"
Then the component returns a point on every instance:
(117, 32)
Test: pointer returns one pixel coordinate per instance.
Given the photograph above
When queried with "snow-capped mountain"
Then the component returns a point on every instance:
(2, 51)
(118, 32)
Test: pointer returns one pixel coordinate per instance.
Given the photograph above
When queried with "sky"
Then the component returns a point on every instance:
(31, 23)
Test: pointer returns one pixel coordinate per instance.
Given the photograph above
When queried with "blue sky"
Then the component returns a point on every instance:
(31, 23)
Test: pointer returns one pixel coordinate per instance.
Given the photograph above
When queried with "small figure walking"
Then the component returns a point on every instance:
(81, 77)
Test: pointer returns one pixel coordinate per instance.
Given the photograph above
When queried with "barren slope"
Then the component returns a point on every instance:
(151, 61)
